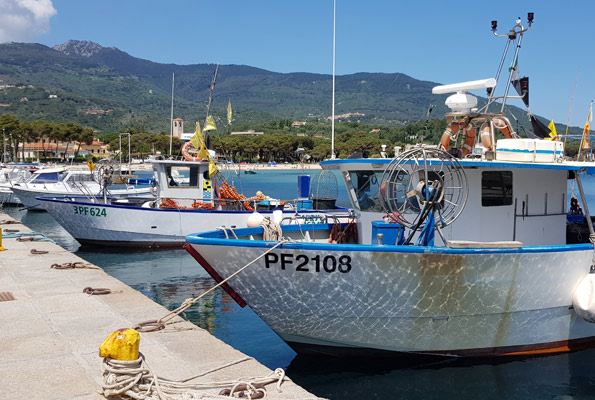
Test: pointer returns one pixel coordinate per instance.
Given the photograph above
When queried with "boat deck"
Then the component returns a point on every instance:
(52, 330)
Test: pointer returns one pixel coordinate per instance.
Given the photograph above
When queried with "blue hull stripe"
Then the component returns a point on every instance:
(217, 238)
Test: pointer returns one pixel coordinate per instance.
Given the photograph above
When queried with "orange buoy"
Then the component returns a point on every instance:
(450, 134)
(470, 133)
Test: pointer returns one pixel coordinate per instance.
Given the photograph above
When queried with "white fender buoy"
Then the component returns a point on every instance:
(583, 298)
(254, 220)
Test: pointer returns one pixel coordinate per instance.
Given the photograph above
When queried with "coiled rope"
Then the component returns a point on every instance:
(73, 265)
(136, 380)
(155, 325)
(37, 236)
(271, 231)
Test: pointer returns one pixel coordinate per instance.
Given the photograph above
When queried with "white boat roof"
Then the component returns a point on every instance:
(587, 167)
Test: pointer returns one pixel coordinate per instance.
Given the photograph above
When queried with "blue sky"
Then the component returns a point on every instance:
(438, 41)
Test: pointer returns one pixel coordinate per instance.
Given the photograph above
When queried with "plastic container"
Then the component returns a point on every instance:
(303, 186)
(390, 232)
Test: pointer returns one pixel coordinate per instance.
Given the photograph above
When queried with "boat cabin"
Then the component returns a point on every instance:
(64, 175)
(183, 181)
(512, 201)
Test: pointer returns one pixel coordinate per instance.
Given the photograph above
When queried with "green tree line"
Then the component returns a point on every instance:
(16, 134)
(279, 142)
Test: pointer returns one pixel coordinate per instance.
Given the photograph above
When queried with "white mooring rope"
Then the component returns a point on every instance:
(135, 379)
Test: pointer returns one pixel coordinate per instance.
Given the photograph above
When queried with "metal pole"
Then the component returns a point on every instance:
(333, 106)
(129, 159)
(585, 207)
(4, 147)
(513, 69)
(171, 121)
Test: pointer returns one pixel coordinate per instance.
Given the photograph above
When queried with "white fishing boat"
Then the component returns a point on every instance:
(62, 181)
(11, 174)
(448, 256)
(182, 205)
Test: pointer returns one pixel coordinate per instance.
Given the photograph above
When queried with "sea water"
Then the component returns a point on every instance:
(171, 276)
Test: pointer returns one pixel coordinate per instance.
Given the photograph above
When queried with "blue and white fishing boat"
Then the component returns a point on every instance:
(185, 199)
(448, 255)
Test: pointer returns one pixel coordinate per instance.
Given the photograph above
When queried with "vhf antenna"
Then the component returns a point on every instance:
(517, 31)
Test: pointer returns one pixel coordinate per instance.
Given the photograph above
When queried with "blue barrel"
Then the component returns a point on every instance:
(303, 186)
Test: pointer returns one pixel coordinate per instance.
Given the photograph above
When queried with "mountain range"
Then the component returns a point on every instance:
(107, 89)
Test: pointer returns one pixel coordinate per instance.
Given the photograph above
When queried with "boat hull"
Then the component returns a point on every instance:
(8, 198)
(133, 226)
(28, 197)
(405, 299)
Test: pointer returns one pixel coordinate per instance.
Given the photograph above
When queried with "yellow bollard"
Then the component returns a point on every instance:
(121, 345)
(1, 248)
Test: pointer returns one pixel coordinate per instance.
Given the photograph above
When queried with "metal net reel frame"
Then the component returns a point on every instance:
(421, 179)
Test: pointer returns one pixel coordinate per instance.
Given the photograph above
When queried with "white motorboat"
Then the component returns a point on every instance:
(448, 257)
(62, 181)
(11, 174)
(186, 199)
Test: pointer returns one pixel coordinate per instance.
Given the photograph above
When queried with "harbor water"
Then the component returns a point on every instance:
(171, 276)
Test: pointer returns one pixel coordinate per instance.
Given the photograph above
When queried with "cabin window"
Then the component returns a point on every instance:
(81, 178)
(47, 177)
(365, 185)
(496, 188)
(178, 176)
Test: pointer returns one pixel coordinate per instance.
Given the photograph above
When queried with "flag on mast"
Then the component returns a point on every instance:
(91, 163)
(552, 128)
(586, 131)
(210, 124)
(229, 112)
(197, 139)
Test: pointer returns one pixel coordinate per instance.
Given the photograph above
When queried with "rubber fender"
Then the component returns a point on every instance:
(583, 298)
(121, 345)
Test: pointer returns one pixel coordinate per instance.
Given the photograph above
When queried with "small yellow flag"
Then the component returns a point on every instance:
(90, 164)
(210, 124)
(203, 153)
(229, 112)
(212, 169)
(586, 144)
(553, 132)
(197, 139)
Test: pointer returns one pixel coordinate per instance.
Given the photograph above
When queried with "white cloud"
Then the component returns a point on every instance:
(23, 20)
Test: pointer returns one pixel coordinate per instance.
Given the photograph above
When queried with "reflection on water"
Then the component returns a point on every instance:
(171, 276)
(567, 376)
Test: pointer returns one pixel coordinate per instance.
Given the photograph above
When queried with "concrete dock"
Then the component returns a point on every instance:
(51, 330)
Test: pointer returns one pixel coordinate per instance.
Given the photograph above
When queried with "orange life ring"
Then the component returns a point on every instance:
(470, 132)
(486, 135)
(450, 134)
(185, 152)
(502, 124)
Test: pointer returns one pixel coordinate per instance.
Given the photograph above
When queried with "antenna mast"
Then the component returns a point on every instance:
(333, 106)
(517, 30)
(211, 88)
(171, 120)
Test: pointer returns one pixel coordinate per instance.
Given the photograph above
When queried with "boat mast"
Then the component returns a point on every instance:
(333, 106)
(171, 120)
(211, 88)
(517, 31)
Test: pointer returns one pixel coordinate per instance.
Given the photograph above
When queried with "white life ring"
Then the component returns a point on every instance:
(185, 152)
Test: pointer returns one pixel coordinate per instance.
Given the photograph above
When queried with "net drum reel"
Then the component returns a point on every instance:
(424, 185)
